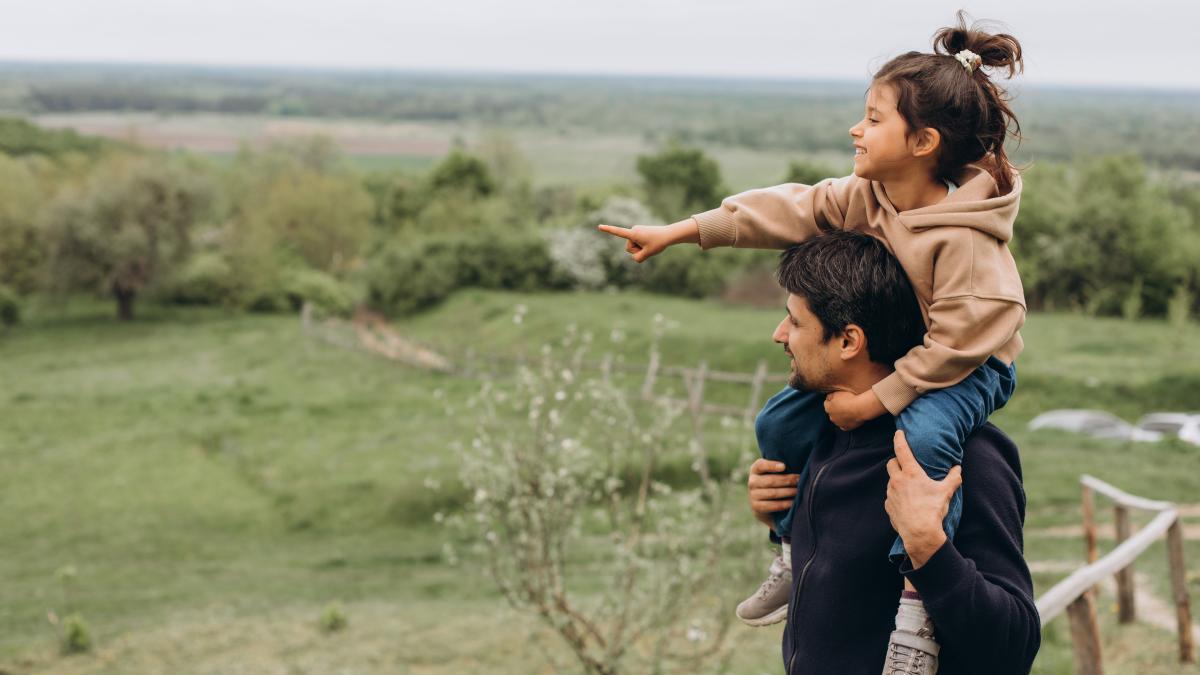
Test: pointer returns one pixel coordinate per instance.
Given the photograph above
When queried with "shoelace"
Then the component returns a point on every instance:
(903, 659)
(774, 578)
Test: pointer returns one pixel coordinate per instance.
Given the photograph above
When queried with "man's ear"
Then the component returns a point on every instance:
(854, 342)
(926, 142)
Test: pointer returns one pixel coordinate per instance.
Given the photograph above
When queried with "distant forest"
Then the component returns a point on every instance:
(1163, 128)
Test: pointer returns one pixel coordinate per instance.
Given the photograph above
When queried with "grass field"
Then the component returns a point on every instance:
(217, 479)
(555, 158)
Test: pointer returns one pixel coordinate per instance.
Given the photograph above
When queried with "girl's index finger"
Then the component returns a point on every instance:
(623, 232)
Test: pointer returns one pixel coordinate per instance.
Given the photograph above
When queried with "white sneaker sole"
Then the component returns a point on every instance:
(772, 618)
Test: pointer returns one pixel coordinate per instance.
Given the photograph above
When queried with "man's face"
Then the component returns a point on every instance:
(814, 361)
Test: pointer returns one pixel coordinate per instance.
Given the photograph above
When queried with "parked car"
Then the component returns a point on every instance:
(1095, 423)
(1184, 425)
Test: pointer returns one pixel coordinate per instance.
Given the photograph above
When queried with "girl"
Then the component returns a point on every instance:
(933, 181)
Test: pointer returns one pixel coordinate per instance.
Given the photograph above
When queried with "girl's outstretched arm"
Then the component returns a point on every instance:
(644, 241)
(775, 217)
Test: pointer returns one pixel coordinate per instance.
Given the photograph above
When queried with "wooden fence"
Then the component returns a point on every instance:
(1075, 593)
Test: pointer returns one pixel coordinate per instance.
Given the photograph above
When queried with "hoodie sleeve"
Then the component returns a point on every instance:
(776, 217)
(974, 313)
(977, 588)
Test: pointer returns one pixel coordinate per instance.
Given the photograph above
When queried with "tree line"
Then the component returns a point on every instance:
(1162, 128)
(295, 222)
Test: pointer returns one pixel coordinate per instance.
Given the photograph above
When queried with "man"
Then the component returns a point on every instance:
(862, 487)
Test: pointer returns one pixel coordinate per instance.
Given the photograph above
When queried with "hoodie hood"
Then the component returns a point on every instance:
(975, 204)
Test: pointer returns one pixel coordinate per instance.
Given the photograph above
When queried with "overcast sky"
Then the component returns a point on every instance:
(1143, 43)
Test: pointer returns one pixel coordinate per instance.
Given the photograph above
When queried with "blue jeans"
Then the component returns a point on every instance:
(936, 425)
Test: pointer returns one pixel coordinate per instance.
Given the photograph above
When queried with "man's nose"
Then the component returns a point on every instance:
(780, 334)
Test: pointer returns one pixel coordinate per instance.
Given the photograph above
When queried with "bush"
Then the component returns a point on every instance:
(322, 290)
(406, 278)
(76, 635)
(504, 259)
(333, 619)
(688, 271)
(206, 279)
(416, 273)
(10, 307)
(680, 180)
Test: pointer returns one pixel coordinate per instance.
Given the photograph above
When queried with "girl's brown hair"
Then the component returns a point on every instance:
(971, 112)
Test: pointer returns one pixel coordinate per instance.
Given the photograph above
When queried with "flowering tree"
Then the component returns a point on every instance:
(569, 498)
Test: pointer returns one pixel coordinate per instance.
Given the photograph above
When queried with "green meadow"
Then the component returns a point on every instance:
(217, 479)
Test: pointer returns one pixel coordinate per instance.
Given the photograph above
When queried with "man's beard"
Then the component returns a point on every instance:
(798, 380)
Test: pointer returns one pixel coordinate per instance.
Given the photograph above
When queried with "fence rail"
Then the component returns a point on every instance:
(1075, 593)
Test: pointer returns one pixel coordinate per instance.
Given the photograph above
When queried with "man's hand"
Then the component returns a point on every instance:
(644, 241)
(848, 411)
(916, 504)
(770, 490)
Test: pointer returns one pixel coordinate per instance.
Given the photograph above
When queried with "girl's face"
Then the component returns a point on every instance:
(882, 147)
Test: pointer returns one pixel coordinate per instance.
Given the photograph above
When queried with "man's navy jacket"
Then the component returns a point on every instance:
(845, 592)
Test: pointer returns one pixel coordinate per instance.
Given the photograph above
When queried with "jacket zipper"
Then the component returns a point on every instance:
(812, 491)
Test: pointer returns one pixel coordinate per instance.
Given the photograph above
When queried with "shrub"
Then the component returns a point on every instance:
(581, 255)
(518, 261)
(1179, 307)
(405, 278)
(10, 307)
(206, 279)
(680, 180)
(333, 619)
(320, 289)
(587, 464)
(688, 271)
(415, 273)
(76, 635)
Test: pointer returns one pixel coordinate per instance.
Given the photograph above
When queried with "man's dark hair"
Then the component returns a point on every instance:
(851, 278)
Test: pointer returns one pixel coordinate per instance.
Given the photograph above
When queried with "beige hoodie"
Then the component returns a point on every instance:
(955, 254)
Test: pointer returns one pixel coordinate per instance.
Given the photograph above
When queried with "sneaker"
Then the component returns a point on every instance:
(912, 649)
(770, 603)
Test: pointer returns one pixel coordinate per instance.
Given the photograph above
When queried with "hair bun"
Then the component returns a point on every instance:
(995, 50)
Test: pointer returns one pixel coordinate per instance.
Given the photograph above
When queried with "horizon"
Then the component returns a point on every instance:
(353, 69)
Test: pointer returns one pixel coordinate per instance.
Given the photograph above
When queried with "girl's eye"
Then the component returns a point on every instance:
(873, 120)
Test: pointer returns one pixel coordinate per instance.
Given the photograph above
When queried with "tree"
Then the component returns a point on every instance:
(1102, 236)
(22, 248)
(578, 529)
(125, 228)
(462, 173)
(680, 180)
(507, 164)
(808, 173)
(322, 219)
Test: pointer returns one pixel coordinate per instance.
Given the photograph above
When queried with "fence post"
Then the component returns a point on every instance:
(1126, 611)
(651, 373)
(694, 381)
(1089, 524)
(760, 376)
(606, 368)
(1085, 635)
(1183, 610)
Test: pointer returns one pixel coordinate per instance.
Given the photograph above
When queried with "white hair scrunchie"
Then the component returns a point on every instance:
(969, 60)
